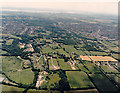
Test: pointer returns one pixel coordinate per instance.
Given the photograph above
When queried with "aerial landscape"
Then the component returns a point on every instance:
(59, 52)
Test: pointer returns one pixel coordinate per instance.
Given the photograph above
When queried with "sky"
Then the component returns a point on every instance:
(91, 6)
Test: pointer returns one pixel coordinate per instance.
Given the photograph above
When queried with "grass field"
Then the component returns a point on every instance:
(9, 42)
(115, 78)
(25, 76)
(64, 65)
(92, 67)
(102, 83)
(108, 69)
(55, 62)
(115, 56)
(53, 45)
(114, 49)
(80, 65)
(98, 53)
(69, 48)
(10, 63)
(78, 79)
(40, 63)
(109, 43)
(12, 36)
(54, 80)
(61, 51)
(10, 89)
(79, 52)
(47, 50)
(12, 67)
(2, 52)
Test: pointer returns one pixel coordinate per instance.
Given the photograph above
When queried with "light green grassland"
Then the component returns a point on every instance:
(64, 65)
(78, 79)
(12, 67)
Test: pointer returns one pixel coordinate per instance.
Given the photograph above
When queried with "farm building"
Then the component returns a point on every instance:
(100, 59)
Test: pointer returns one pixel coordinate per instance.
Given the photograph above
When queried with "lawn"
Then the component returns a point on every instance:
(78, 79)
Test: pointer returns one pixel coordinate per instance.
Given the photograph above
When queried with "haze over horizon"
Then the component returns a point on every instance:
(90, 7)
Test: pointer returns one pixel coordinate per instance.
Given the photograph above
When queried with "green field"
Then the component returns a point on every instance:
(40, 63)
(47, 50)
(61, 51)
(12, 67)
(109, 43)
(115, 55)
(9, 42)
(92, 67)
(64, 65)
(102, 83)
(54, 81)
(55, 62)
(23, 76)
(108, 69)
(79, 52)
(115, 78)
(98, 53)
(10, 63)
(69, 48)
(10, 89)
(78, 79)
(80, 65)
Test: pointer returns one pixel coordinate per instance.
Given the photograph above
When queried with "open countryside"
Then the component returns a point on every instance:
(59, 53)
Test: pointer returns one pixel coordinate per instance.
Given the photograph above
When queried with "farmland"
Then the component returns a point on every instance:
(78, 79)
(59, 53)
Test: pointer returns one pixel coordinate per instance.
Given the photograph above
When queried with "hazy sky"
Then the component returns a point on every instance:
(93, 6)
